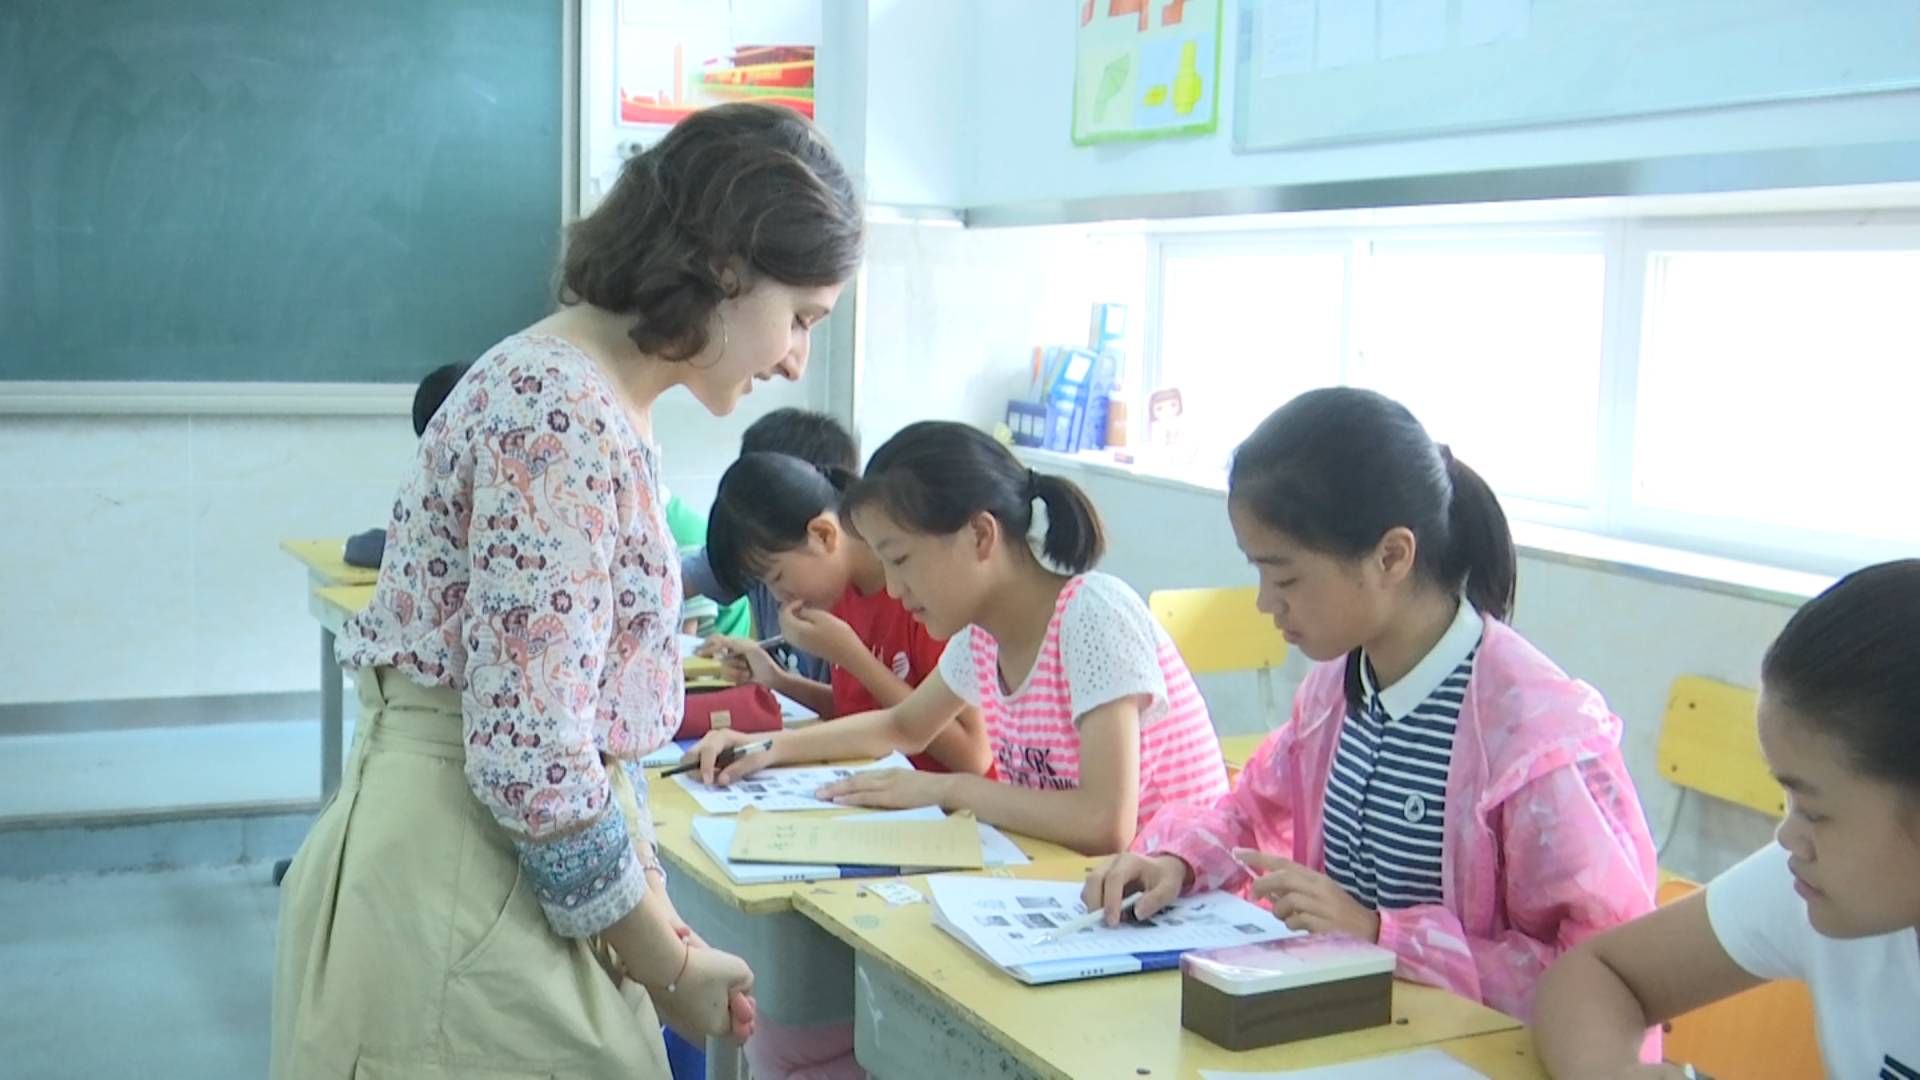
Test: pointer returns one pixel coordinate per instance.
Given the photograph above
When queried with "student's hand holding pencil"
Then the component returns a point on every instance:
(722, 756)
(742, 660)
(1159, 879)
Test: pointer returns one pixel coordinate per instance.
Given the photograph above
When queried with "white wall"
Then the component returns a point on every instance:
(952, 316)
(1022, 89)
(143, 552)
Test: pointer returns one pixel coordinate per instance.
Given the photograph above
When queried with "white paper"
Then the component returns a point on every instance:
(1346, 29)
(896, 893)
(791, 710)
(779, 789)
(1483, 22)
(1410, 27)
(715, 834)
(689, 643)
(1006, 919)
(1428, 1064)
(1286, 37)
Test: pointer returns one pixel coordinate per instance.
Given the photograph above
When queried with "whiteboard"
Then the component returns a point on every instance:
(1317, 72)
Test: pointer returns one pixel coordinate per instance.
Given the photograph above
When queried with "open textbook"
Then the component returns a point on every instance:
(1010, 922)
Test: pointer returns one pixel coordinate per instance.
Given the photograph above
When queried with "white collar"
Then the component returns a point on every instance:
(1416, 686)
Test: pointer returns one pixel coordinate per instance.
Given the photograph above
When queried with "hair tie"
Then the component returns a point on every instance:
(1033, 485)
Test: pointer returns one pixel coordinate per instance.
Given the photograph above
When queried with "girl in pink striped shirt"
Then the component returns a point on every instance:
(1094, 720)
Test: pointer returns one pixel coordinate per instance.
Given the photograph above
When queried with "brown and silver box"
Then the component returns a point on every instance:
(1251, 996)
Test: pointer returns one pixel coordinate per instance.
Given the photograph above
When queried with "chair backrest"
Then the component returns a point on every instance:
(1219, 629)
(1767, 1031)
(1708, 743)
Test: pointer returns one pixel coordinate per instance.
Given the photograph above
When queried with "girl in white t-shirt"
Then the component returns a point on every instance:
(1835, 904)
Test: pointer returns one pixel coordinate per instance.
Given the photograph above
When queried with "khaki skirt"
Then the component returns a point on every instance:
(410, 945)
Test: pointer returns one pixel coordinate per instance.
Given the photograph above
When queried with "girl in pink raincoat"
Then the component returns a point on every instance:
(1443, 789)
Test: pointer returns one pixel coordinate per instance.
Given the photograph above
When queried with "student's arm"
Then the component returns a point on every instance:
(961, 745)
(1597, 1002)
(1574, 861)
(1096, 818)
(815, 696)
(908, 727)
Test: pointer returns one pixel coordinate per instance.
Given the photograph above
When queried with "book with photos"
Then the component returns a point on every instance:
(1014, 925)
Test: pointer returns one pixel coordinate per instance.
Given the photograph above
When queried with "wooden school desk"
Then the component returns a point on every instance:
(801, 973)
(326, 570)
(925, 1005)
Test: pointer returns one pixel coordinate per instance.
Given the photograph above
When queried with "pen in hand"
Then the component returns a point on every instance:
(727, 757)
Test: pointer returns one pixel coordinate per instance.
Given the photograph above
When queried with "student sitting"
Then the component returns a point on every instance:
(1443, 789)
(776, 519)
(812, 437)
(1835, 903)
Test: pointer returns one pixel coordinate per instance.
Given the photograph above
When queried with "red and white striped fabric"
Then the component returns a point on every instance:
(1102, 645)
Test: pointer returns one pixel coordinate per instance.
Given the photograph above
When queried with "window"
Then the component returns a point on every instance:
(1496, 348)
(1778, 388)
(1742, 387)
(1246, 331)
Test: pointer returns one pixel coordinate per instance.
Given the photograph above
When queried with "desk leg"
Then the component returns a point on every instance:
(330, 717)
(900, 1031)
(723, 1059)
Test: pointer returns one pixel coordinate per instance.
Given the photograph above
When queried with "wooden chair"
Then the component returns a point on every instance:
(1709, 744)
(1220, 630)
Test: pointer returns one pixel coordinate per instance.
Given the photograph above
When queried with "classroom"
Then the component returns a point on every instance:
(1191, 539)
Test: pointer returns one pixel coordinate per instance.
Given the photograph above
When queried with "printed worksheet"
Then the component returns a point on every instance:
(779, 789)
(1009, 920)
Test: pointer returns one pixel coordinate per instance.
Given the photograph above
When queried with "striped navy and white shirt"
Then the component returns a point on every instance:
(1386, 802)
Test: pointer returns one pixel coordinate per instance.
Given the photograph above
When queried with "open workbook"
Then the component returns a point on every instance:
(715, 837)
(1012, 922)
(780, 789)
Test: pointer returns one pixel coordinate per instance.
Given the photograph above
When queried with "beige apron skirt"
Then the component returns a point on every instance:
(410, 945)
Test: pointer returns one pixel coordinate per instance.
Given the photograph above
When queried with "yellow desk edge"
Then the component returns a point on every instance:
(322, 559)
(824, 903)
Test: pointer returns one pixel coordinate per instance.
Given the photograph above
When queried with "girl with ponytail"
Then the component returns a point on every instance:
(777, 519)
(1094, 721)
(1443, 788)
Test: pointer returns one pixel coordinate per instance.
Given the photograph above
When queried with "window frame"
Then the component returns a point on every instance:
(1630, 248)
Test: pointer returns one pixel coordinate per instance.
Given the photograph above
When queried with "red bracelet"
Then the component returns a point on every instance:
(686, 959)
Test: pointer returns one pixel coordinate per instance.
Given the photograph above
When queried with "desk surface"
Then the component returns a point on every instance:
(1238, 748)
(673, 813)
(1052, 1030)
(322, 560)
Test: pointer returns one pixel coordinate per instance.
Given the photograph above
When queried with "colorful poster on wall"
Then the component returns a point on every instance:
(676, 56)
(1146, 69)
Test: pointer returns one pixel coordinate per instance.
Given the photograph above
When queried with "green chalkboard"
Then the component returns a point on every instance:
(273, 190)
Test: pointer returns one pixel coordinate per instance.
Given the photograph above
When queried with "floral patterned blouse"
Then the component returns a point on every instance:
(529, 566)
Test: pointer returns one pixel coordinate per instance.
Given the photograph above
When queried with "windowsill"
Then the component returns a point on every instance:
(1571, 547)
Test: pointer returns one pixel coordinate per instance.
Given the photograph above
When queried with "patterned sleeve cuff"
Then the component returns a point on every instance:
(586, 880)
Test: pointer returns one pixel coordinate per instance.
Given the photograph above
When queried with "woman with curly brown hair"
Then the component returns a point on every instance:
(482, 895)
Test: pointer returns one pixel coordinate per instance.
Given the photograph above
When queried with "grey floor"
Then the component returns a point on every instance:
(162, 975)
